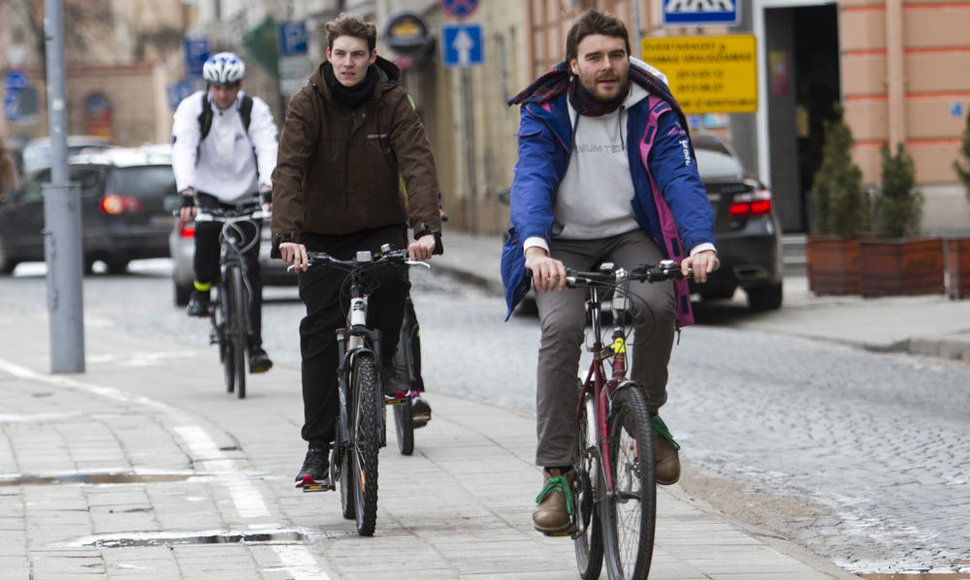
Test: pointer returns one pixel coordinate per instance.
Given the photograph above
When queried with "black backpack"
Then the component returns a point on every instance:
(205, 117)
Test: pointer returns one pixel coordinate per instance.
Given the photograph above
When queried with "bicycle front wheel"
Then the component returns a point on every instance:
(629, 515)
(368, 407)
(588, 543)
(237, 327)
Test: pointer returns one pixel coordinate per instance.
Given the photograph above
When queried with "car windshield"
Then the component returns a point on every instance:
(715, 165)
(148, 181)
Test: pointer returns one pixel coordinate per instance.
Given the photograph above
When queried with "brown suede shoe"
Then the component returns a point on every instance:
(552, 515)
(665, 449)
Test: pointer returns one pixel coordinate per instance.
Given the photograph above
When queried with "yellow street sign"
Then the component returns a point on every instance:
(708, 74)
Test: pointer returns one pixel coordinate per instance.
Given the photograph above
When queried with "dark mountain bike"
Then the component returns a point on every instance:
(229, 313)
(361, 427)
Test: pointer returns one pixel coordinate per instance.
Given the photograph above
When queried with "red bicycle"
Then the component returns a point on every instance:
(614, 502)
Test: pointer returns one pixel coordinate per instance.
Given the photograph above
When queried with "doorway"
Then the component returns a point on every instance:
(803, 82)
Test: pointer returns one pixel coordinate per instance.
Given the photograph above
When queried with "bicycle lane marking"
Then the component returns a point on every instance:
(248, 501)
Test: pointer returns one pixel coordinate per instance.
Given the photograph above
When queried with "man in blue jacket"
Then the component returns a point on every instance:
(606, 172)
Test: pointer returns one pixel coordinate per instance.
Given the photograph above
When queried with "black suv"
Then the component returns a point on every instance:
(745, 228)
(122, 209)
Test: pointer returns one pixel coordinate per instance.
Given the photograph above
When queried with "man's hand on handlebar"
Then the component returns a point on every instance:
(548, 273)
(421, 249)
(700, 264)
(188, 210)
(293, 253)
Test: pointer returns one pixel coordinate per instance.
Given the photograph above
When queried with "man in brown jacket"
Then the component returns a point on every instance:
(349, 139)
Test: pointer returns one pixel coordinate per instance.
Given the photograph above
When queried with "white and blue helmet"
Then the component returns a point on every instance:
(224, 68)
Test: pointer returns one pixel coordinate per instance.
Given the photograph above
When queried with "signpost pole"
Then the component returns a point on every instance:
(62, 217)
(469, 123)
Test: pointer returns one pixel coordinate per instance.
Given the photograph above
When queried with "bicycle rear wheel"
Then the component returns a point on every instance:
(366, 440)
(629, 516)
(220, 328)
(237, 327)
(589, 483)
(403, 418)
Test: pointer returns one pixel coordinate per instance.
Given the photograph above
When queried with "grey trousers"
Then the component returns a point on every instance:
(562, 320)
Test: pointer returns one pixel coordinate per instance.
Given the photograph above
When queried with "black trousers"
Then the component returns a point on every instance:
(206, 261)
(324, 292)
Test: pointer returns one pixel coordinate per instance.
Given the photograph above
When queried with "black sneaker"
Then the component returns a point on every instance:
(420, 411)
(394, 386)
(198, 304)
(316, 468)
(259, 361)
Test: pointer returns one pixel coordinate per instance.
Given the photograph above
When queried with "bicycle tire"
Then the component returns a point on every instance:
(403, 417)
(629, 516)
(341, 455)
(588, 545)
(236, 293)
(221, 326)
(366, 440)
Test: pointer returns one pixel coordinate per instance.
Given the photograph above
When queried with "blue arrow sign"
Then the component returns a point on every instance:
(462, 45)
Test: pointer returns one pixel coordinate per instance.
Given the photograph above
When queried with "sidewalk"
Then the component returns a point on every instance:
(925, 325)
(142, 467)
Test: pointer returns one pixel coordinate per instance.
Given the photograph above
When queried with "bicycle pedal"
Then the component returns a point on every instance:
(560, 534)
(395, 400)
(315, 487)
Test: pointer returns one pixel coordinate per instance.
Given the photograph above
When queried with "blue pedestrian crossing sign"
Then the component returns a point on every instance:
(458, 8)
(462, 45)
(700, 12)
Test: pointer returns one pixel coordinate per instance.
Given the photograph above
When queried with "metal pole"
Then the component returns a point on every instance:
(62, 216)
(466, 98)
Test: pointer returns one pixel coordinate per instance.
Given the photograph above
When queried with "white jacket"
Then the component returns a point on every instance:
(224, 165)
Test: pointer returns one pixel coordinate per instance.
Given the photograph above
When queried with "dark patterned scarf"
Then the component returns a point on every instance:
(553, 82)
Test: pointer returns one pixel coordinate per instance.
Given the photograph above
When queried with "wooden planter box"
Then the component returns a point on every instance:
(833, 264)
(958, 268)
(891, 266)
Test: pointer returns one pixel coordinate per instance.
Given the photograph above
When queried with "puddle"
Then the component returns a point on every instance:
(92, 478)
(920, 576)
(142, 540)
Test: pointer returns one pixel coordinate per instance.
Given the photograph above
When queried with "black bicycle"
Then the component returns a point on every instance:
(360, 431)
(229, 313)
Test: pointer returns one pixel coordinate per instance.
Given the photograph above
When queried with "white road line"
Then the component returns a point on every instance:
(297, 560)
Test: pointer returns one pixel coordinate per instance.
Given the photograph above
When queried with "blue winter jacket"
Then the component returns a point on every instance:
(670, 201)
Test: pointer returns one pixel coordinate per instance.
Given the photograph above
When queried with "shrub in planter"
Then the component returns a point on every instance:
(842, 214)
(897, 260)
(958, 249)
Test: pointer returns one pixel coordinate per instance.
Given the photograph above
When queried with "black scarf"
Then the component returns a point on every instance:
(588, 105)
(351, 97)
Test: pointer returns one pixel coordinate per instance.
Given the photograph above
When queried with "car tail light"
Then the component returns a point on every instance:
(751, 204)
(186, 229)
(119, 204)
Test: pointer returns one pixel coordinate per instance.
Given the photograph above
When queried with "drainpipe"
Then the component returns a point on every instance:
(894, 72)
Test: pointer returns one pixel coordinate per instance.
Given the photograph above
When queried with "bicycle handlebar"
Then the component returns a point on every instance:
(232, 215)
(363, 259)
(664, 270)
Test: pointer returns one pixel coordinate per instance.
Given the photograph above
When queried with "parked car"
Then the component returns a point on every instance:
(746, 229)
(181, 242)
(122, 209)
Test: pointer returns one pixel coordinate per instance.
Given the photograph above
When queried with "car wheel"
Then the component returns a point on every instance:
(116, 266)
(719, 293)
(765, 297)
(182, 294)
(7, 264)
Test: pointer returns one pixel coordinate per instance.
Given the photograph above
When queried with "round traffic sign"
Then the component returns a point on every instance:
(458, 8)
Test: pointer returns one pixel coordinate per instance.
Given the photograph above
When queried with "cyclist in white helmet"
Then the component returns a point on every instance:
(223, 155)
